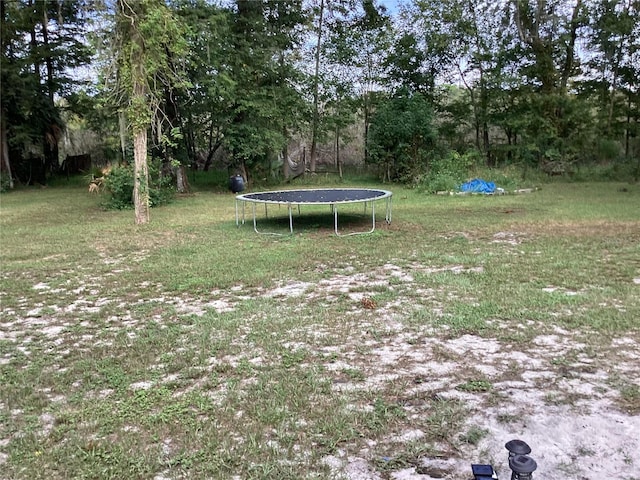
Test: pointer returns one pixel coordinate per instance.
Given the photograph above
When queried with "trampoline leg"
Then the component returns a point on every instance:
(373, 222)
(291, 218)
(238, 221)
(255, 222)
(373, 216)
(255, 226)
(388, 214)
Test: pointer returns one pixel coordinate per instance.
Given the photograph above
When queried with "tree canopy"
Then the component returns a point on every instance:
(258, 83)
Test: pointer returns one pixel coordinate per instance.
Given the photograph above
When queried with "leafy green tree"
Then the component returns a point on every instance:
(615, 42)
(264, 98)
(315, 119)
(205, 106)
(10, 67)
(548, 34)
(149, 39)
(42, 42)
(402, 138)
(288, 24)
(410, 65)
(466, 39)
(357, 39)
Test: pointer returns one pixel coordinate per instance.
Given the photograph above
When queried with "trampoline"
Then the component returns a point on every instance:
(333, 197)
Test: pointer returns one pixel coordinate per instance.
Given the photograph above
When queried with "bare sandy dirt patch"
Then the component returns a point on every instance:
(557, 392)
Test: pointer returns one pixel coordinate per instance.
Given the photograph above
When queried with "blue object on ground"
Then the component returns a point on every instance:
(477, 185)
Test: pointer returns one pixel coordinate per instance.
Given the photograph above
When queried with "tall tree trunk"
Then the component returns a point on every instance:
(41, 175)
(627, 134)
(5, 165)
(474, 106)
(48, 59)
(141, 178)
(613, 90)
(338, 159)
(141, 168)
(316, 85)
(286, 169)
(182, 181)
(53, 130)
(570, 50)
(367, 122)
(529, 24)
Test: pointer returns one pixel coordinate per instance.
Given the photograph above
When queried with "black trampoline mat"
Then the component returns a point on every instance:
(319, 196)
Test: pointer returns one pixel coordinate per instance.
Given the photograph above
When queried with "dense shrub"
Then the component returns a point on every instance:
(402, 137)
(4, 183)
(449, 171)
(119, 186)
(618, 171)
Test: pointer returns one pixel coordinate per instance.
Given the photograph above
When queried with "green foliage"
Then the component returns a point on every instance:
(504, 78)
(607, 149)
(41, 43)
(448, 172)
(621, 171)
(474, 435)
(263, 103)
(402, 137)
(250, 142)
(150, 46)
(119, 186)
(476, 386)
(4, 182)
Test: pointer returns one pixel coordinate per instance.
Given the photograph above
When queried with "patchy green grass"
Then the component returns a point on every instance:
(191, 348)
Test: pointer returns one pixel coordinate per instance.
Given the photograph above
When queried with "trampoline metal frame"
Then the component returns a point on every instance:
(244, 198)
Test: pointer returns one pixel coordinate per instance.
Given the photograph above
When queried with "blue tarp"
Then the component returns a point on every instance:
(477, 185)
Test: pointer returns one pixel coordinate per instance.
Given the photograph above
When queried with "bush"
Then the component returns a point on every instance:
(441, 182)
(618, 171)
(450, 171)
(119, 185)
(5, 182)
(402, 137)
(608, 150)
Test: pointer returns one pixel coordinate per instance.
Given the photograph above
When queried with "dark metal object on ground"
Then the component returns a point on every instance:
(319, 196)
(517, 447)
(522, 467)
(236, 183)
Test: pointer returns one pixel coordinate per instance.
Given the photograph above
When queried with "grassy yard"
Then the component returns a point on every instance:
(191, 348)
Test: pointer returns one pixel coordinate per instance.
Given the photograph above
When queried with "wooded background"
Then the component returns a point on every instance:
(269, 88)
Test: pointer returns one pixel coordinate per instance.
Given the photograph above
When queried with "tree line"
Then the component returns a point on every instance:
(542, 83)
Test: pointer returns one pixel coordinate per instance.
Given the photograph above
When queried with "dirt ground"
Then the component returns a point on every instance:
(555, 392)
